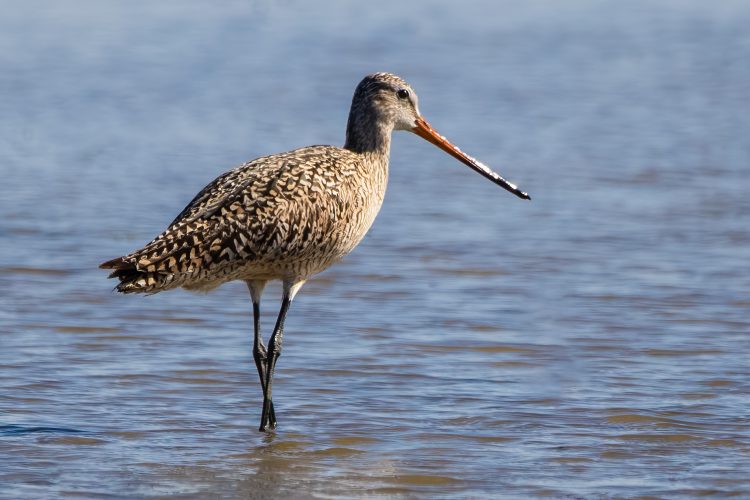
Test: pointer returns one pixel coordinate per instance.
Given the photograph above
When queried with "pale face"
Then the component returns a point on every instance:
(407, 109)
(397, 103)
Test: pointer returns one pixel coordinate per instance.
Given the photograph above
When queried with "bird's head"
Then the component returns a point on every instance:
(384, 102)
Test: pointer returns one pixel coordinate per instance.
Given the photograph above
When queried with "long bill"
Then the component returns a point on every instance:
(425, 131)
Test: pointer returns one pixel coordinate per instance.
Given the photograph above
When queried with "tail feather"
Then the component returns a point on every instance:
(133, 280)
(117, 263)
(178, 254)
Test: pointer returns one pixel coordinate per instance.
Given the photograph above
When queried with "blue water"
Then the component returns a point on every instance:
(590, 343)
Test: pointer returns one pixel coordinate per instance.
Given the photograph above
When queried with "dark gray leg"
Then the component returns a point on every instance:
(259, 349)
(261, 358)
(267, 422)
(274, 351)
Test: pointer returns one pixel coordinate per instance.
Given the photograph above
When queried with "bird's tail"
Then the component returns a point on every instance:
(133, 280)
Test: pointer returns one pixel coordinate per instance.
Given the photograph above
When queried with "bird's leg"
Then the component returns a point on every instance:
(274, 351)
(259, 349)
(260, 355)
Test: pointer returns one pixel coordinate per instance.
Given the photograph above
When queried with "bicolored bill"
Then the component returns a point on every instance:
(425, 131)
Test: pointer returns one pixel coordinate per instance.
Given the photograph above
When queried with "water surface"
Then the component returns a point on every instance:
(590, 343)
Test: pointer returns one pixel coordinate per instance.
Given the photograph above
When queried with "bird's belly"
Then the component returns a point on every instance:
(319, 242)
(310, 259)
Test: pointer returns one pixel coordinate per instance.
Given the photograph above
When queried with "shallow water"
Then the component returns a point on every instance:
(590, 343)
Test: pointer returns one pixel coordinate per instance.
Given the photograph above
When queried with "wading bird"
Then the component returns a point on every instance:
(287, 216)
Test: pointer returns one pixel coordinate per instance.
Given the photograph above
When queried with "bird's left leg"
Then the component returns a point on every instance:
(274, 351)
(260, 354)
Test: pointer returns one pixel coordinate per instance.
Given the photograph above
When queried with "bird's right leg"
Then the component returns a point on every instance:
(291, 287)
(260, 354)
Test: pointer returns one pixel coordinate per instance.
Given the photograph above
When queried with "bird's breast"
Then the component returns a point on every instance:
(311, 217)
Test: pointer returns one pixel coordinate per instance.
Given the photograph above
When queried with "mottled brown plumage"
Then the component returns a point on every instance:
(286, 216)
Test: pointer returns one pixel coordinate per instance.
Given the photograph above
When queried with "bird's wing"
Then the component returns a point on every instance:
(247, 213)
(211, 197)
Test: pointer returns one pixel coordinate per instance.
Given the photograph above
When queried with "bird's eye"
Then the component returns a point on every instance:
(402, 94)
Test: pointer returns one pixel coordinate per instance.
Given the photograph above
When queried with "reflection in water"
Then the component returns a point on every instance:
(590, 343)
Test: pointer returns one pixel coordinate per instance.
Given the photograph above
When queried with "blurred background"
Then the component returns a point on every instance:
(590, 343)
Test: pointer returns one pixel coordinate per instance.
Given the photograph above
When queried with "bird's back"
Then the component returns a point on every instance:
(281, 216)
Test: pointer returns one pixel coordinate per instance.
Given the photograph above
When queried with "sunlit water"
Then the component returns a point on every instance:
(590, 343)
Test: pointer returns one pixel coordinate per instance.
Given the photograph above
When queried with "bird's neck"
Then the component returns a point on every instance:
(366, 135)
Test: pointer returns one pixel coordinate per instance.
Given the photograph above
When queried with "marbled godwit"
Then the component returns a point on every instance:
(287, 216)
